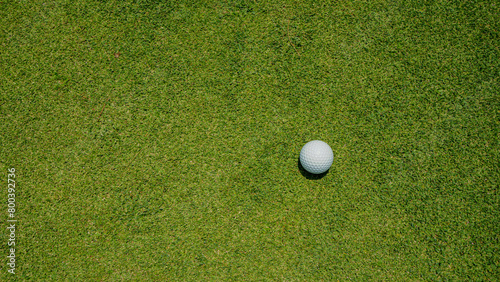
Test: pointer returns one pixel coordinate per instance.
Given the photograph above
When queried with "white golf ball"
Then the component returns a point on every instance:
(316, 157)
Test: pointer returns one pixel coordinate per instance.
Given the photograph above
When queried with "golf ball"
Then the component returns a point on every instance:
(316, 157)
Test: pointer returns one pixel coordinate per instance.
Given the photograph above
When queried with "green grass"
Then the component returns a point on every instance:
(158, 140)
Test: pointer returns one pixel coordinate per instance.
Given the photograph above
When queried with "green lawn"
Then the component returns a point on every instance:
(158, 140)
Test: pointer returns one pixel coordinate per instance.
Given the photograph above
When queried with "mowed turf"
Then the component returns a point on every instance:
(159, 140)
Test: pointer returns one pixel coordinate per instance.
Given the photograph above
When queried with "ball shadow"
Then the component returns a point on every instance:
(309, 175)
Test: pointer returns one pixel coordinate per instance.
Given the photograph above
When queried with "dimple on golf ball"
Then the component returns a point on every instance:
(316, 157)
